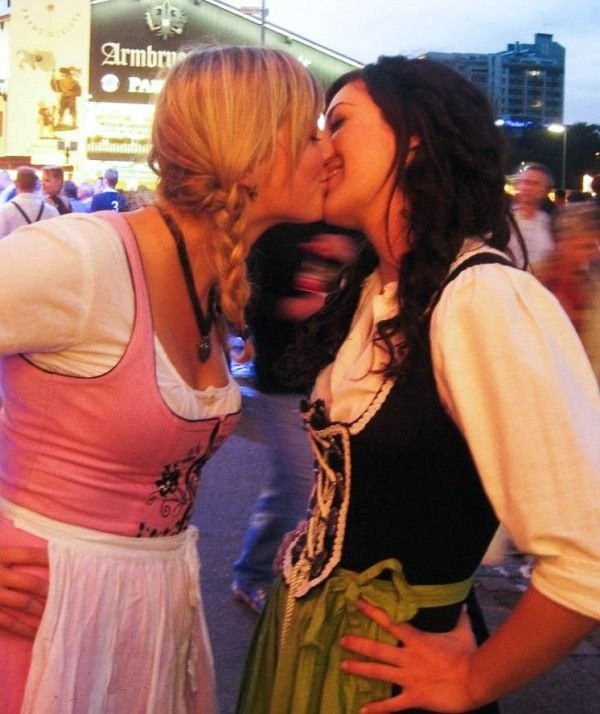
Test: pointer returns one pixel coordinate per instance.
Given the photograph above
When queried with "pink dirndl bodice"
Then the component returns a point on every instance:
(106, 452)
(108, 463)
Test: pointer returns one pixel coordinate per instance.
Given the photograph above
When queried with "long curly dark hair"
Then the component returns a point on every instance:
(455, 188)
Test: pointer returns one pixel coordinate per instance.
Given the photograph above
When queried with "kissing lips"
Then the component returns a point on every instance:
(333, 165)
(333, 169)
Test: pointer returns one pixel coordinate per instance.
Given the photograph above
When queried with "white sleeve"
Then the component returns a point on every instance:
(56, 278)
(513, 374)
(4, 225)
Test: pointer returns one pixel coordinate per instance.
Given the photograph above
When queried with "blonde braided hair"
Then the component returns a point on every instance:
(217, 118)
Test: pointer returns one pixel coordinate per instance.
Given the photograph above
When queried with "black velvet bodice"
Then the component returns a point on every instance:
(399, 482)
(415, 493)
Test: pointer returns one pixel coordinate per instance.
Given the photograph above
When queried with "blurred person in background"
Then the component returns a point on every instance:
(577, 196)
(71, 191)
(7, 186)
(595, 187)
(292, 269)
(138, 197)
(531, 216)
(85, 191)
(560, 198)
(573, 273)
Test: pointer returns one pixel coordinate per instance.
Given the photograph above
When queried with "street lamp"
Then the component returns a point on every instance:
(263, 17)
(262, 12)
(67, 147)
(561, 129)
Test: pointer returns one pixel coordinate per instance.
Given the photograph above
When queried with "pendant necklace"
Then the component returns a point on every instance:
(204, 322)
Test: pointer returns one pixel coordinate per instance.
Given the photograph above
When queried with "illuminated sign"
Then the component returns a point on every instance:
(116, 56)
(517, 123)
(142, 85)
(134, 43)
(128, 56)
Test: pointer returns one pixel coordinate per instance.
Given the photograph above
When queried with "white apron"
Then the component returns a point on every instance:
(123, 630)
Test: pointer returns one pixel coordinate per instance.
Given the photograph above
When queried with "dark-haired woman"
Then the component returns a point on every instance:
(451, 393)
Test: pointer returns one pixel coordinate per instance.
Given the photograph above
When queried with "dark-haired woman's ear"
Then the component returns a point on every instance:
(413, 144)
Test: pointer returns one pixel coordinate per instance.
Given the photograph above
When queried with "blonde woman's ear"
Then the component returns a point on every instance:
(249, 182)
(248, 179)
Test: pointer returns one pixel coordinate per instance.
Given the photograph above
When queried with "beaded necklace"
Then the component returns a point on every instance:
(203, 321)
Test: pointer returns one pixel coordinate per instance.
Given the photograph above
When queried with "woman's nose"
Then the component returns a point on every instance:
(325, 144)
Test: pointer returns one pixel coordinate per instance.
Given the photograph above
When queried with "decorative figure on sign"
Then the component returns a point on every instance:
(66, 85)
(166, 19)
(36, 59)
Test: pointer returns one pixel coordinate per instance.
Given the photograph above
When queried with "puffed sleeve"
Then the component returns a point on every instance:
(514, 376)
(47, 280)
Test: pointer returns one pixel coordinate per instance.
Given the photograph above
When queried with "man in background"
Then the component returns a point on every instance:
(534, 222)
(26, 207)
(53, 179)
(109, 198)
(85, 193)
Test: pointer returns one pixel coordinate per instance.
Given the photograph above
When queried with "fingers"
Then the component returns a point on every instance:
(463, 626)
(407, 634)
(385, 706)
(22, 595)
(23, 602)
(392, 675)
(16, 580)
(372, 670)
(426, 666)
(401, 631)
(23, 556)
(19, 627)
(373, 649)
(462, 635)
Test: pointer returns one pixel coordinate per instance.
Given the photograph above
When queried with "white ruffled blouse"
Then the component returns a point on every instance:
(512, 373)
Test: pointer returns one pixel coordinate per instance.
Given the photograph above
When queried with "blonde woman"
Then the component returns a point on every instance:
(117, 391)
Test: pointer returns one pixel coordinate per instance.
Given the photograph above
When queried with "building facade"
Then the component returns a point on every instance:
(92, 70)
(525, 82)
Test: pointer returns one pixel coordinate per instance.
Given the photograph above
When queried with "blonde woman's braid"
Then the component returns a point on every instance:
(230, 249)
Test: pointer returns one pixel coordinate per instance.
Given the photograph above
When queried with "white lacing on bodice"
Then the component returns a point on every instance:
(317, 548)
(359, 424)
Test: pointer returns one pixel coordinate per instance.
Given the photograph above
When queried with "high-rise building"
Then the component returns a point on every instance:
(525, 82)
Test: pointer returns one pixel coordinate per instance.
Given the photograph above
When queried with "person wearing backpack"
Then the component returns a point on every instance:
(26, 207)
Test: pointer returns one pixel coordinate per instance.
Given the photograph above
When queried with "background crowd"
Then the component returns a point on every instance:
(46, 188)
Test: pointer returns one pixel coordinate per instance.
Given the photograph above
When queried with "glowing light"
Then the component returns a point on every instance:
(557, 128)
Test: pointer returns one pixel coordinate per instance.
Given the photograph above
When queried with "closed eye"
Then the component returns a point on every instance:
(335, 124)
